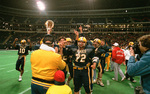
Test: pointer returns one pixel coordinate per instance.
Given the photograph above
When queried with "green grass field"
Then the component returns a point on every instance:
(9, 78)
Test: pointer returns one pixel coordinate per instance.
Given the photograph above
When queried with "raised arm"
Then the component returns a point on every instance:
(30, 45)
(77, 34)
(80, 28)
(14, 43)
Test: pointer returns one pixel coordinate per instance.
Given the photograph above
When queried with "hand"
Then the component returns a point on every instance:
(80, 28)
(132, 52)
(29, 40)
(93, 66)
(49, 30)
(60, 45)
(76, 32)
(16, 39)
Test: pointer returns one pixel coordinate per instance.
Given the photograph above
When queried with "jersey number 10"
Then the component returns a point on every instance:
(22, 50)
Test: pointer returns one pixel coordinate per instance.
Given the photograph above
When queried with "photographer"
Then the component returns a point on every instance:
(141, 67)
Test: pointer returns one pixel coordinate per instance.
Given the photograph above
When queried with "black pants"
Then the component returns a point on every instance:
(82, 77)
(127, 75)
(20, 62)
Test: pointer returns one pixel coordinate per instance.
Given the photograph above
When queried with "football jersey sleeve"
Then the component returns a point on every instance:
(17, 47)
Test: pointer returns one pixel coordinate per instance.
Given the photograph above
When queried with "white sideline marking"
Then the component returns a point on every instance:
(7, 57)
(108, 82)
(11, 70)
(11, 64)
(25, 90)
(26, 71)
(7, 65)
(2, 68)
(131, 85)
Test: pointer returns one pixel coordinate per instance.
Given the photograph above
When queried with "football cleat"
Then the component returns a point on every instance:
(99, 82)
(20, 78)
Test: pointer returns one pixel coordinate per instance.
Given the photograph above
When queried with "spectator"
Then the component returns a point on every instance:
(127, 56)
(44, 63)
(59, 86)
(118, 58)
(141, 67)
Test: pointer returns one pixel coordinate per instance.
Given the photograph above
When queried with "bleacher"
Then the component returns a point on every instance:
(141, 19)
(20, 19)
(63, 20)
(32, 20)
(119, 20)
(43, 20)
(98, 20)
(4, 35)
(6, 17)
(80, 20)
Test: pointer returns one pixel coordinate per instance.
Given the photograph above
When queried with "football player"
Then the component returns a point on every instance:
(22, 52)
(107, 51)
(101, 54)
(68, 60)
(81, 56)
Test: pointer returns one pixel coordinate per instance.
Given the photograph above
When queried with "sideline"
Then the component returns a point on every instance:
(11, 64)
(131, 85)
(11, 70)
(7, 65)
(2, 68)
(108, 83)
(25, 90)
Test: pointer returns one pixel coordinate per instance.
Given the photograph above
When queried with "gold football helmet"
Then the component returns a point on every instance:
(68, 39)
(97, 40)
(82, 39)
(131, 43)
(23, 41)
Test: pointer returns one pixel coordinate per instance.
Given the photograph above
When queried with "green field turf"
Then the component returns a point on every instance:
(9, 78)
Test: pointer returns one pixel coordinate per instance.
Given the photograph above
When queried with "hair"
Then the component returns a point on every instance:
(61, 37)
(103, 40)
(145, 41)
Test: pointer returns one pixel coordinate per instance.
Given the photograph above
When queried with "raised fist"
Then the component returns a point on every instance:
(28, 40)
(80, 28)
(76, 32)
(16, 39)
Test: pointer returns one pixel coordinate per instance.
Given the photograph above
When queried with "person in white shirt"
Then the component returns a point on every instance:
(127, 56)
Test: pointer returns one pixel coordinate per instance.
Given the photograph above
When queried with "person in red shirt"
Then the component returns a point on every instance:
(118, 58)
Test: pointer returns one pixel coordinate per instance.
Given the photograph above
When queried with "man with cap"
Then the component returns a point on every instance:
(59, 86)
(117, 57)
(44, 63)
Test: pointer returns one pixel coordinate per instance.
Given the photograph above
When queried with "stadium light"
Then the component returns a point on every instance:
(40, 5)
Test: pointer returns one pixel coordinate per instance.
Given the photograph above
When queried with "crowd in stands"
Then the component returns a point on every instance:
(122, 38)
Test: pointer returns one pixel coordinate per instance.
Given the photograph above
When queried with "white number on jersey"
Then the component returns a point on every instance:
(22, 50)
(82, 56)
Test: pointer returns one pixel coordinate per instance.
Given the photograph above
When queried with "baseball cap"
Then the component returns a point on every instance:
(48, 38)
(59, 76)
(116, 44)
